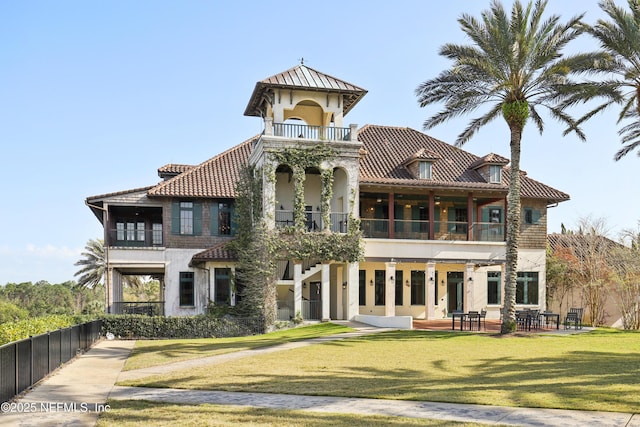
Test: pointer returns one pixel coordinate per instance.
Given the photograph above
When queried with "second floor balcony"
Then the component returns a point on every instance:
(313, 221)
(442, 230)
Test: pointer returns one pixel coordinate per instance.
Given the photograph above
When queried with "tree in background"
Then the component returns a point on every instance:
(627, 268)
(620, 38)
(514, 67)
(93, 265)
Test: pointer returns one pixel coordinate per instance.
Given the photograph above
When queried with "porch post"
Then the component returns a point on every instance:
(430, 277)
(469, 286)
(353, 284)
(390, 289)
(297, 288)
(325, 292)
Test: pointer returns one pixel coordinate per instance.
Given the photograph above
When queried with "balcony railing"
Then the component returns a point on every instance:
(135, 238)
(294, 131)
(313, 220)
(149, 308)
(443, 230)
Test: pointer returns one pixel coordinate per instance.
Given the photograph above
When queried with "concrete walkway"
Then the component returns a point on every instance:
(76, 394)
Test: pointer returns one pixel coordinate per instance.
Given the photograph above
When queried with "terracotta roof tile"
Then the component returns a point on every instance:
(218, 252)
(388, 148)
(213, 178)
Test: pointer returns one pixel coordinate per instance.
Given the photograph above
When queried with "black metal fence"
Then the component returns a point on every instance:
(23, 363)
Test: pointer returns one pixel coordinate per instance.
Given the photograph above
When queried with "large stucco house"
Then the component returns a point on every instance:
(432, 216)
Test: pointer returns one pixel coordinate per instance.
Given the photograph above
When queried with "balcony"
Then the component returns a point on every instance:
(135, 237)
(313, 221)
(443, 230)
(295, 131)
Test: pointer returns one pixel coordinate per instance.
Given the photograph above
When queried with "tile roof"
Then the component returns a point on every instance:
(389, 147)
(215, 177)
(303, 77)
(172, 169)
(490, 158)
(218, 252)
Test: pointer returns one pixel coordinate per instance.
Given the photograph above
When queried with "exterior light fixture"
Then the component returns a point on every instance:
(470, 279)
(344, 285)
(304, 284)
(391, 278)
(371, 282)
(407, 284)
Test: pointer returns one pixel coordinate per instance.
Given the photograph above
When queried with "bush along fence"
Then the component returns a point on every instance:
(140, 326)
(23, 363)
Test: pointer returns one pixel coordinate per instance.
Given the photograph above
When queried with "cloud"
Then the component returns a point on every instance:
(32, 263)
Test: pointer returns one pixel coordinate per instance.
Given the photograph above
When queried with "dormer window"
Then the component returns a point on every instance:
(425, 170)
(495, 174)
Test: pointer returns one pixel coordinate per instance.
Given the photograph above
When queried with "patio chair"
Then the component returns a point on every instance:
(473, 317)
(523, 321)
(573, 317)
(483, 318)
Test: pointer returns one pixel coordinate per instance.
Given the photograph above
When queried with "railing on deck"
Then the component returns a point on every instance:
(329, 133)
(135, 238)
(148, 308)
(443, 230)
(313, 220)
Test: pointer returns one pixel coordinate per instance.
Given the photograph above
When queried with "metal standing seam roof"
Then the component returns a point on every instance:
(305, 78)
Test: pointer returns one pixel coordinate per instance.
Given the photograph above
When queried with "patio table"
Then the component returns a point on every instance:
(551, 316)
(462, 315)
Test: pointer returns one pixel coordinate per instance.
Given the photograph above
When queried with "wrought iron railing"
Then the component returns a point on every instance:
(443, 230)
(135, 238)
(148, 308)
(294, 131)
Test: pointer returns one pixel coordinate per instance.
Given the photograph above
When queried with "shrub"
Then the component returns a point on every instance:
(140, 326)
(15, 331)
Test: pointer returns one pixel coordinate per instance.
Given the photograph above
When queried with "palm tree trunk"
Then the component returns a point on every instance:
(513, 234)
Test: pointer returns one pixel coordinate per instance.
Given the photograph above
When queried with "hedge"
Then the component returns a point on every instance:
(21, 329)
(141, 326)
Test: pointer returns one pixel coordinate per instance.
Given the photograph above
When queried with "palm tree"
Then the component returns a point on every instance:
(620, 37)
(514, 67)
(93, 264)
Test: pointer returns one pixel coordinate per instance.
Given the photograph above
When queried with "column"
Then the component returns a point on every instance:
(390, 289)
(353, 306)
(430, 277)
(325, 292)
(469, 286)
(297, 288)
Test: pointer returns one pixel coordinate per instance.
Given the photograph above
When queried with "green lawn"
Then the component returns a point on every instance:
(591, 371)
(140, 413)
(148, 353)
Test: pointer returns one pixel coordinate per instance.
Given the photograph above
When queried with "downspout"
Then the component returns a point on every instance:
(106, 253)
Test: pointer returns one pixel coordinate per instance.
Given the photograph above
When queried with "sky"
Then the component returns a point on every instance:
(96, 96)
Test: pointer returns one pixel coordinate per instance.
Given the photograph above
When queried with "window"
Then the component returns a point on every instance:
(417, 287)
(362, 287)
(156, 234)
(379, 290)
(130, 231)
(527, 288)
(222, 279)
(425, 170)
(221, 218)
(186, 218)
(530, 216)
(494, 281)
(187, 295)
(460, 218)
(495, 174)
(399, 289)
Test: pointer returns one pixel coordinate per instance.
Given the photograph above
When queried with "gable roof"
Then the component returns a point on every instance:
(306, 78)
(171, 170)
(389, 147)
(214, 178)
